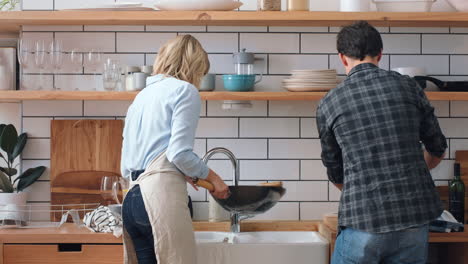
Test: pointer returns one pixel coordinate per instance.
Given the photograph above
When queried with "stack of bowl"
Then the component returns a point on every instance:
(311, 80)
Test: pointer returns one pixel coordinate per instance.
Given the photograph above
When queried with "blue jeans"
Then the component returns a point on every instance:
(137, 224)
(408, 246)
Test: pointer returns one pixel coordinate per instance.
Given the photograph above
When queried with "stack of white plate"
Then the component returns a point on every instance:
(311, 80)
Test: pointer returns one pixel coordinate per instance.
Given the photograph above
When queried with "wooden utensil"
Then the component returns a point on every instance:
(272, 184)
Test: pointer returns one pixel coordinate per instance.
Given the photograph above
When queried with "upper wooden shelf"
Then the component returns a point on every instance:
(210, 96)
(11, 21)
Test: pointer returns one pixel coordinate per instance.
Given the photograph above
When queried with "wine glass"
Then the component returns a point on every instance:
(24, 57)
(40, 61)
(107, 185)
(76, 60)
(111, 75)
(56, 58)
(93, 60)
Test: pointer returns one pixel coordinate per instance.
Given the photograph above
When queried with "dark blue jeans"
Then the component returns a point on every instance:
(406, 246)
(137, 224)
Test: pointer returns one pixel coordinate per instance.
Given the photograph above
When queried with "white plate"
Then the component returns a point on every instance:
(307, 89)
(197, 5)
(111, 9)
(120, 5)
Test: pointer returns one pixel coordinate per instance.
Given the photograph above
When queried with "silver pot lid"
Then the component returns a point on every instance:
(243, 57)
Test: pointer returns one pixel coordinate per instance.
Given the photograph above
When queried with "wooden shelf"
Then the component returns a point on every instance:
(210, 96)
(12, 20)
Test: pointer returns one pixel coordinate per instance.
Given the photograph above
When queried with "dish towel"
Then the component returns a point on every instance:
(102, 220)
(446, 223)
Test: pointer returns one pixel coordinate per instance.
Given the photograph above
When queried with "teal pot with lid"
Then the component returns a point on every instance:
(240, 83)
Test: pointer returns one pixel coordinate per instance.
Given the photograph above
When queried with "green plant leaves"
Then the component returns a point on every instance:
(5, 184)
(20, 144)
(9, 172)
(29, 177)
(8, 139)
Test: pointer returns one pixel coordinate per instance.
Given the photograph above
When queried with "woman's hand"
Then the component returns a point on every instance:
(221, 190)
(190, 180)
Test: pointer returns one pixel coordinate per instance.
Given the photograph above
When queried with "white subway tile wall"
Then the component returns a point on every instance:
(275, 140)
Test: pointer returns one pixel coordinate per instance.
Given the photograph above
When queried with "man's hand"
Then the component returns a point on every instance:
(432, 161)
(339, 186)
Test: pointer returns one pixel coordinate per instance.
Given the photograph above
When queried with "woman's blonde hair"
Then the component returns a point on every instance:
(183, 58)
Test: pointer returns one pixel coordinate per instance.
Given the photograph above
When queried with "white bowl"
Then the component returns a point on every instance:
(197, 5)
(460, 5)
(410, 71)
(404, 5)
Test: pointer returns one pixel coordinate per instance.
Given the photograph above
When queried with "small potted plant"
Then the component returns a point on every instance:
(8, 5)
(12, 185)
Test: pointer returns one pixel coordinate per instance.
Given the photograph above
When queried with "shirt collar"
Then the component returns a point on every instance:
(153, 79)
(361, 67)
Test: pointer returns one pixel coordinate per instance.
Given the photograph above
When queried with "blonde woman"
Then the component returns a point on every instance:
(157, 155)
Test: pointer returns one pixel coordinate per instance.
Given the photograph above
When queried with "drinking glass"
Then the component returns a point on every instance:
(111, 75)
(24, 58)
(56, 58)
(107, 185)
(40, 61)
(93, 60)
(76, 60)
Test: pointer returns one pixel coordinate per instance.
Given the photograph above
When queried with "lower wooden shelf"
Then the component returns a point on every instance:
(211, 96)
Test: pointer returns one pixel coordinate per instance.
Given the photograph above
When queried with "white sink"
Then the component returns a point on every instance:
(261, 248)
(212, 237)
(278, 238)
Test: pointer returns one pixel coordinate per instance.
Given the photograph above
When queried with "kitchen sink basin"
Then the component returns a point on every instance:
(261, 248)
(278, 238)
(212, 237)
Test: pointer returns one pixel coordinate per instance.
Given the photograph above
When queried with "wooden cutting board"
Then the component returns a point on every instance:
(82, 152)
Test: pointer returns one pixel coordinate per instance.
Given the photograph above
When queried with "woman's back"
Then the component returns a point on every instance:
(159, 119)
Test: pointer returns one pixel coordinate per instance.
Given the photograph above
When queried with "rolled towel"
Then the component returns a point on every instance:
(102, 220)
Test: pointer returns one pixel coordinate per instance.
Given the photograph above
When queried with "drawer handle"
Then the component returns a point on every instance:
(69, 247)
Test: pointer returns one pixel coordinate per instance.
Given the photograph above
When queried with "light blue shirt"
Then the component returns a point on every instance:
(163, 117)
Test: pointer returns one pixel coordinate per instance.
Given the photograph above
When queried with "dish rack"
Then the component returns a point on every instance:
(43, 216)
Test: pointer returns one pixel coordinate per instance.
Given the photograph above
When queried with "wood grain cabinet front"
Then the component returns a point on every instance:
(62, 253)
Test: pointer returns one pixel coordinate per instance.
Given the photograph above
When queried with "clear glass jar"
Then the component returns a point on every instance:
(243, 69)
(269, 5)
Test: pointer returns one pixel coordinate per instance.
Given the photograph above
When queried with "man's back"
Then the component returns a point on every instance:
(375, 121)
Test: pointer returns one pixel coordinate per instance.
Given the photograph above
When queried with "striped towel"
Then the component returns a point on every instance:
(446, 223)
(102, 220)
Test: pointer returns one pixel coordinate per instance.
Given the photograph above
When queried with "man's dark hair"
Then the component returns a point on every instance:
(359, 40)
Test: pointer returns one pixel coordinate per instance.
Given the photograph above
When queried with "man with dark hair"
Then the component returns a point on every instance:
(371, 128)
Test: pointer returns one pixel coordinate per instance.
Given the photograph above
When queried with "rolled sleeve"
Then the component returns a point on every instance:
(186, 113)
(430, 132)
(331, 151)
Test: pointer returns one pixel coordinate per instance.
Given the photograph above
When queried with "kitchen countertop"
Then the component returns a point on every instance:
(69, 233)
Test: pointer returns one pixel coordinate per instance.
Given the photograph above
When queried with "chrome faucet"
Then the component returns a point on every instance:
(235, 219)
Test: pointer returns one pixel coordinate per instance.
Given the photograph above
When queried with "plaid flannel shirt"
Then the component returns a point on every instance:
(371, 128)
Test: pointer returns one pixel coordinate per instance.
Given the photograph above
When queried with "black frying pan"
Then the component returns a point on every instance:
(460, 86)
(248, 200)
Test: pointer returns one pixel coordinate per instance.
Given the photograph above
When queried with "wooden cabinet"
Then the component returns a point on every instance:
(62, 253)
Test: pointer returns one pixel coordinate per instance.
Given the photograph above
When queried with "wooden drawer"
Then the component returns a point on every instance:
(62, 253)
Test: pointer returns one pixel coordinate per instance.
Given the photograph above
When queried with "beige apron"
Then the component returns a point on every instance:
(164, 192)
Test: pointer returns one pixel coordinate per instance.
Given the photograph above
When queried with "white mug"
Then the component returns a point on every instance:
(139, 80)
(355, 5)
